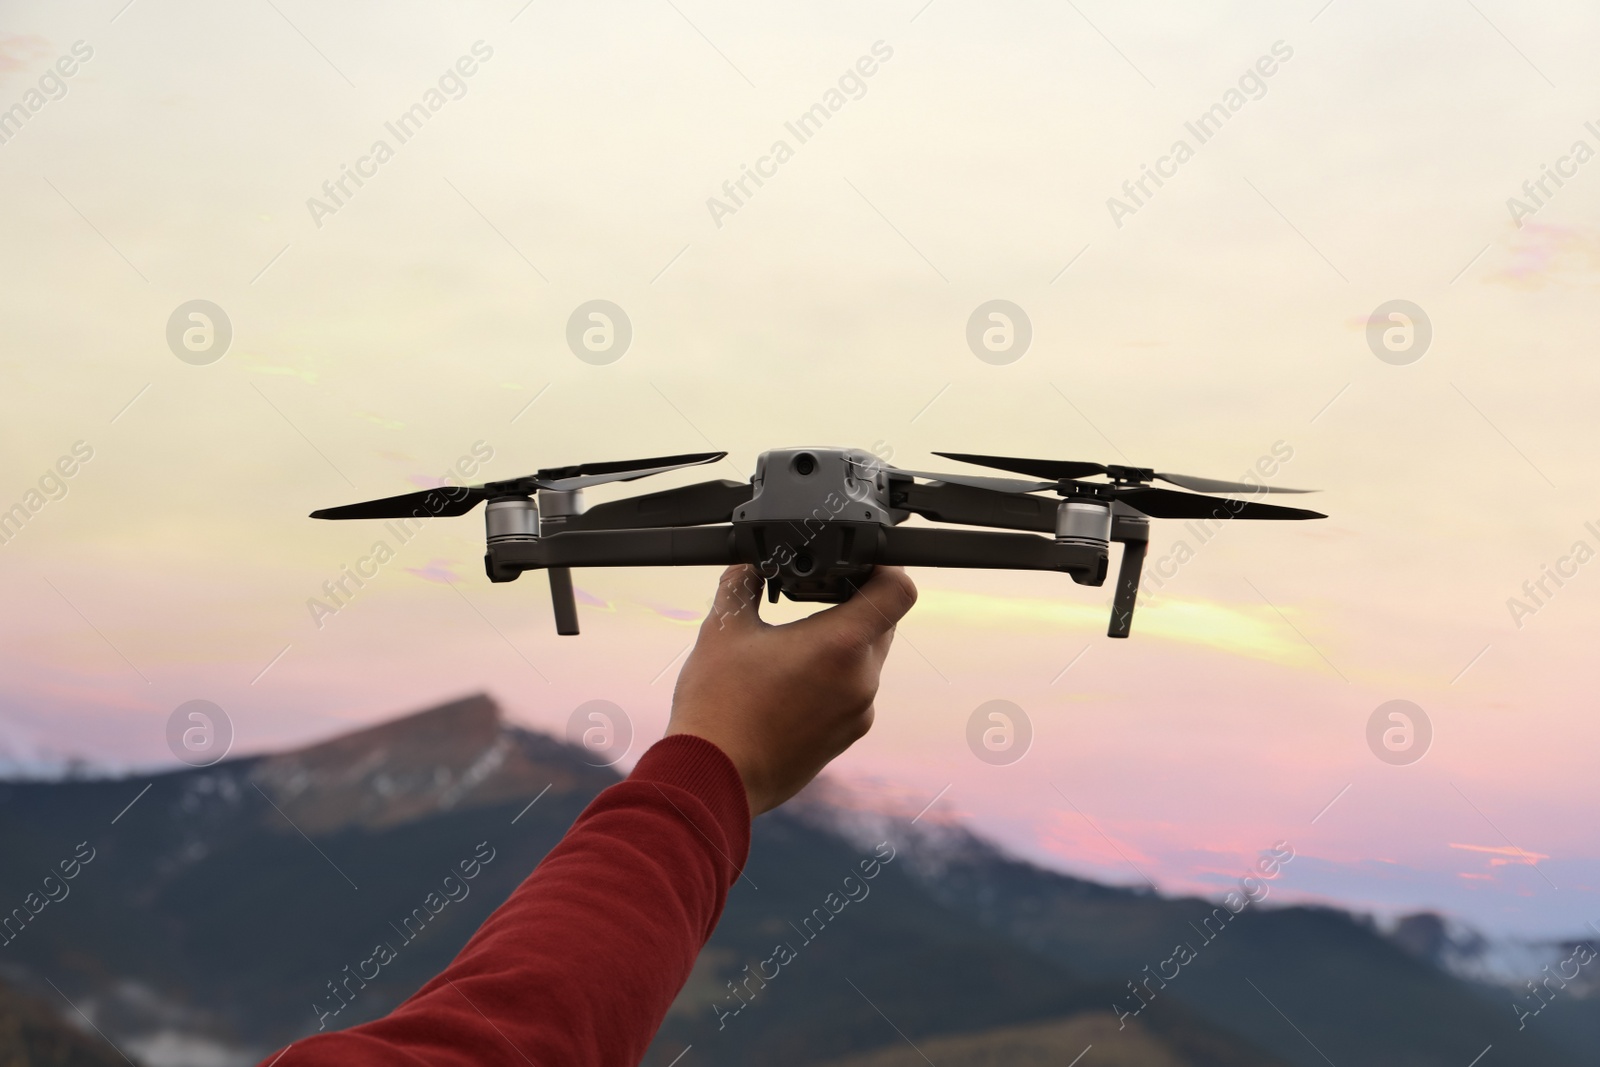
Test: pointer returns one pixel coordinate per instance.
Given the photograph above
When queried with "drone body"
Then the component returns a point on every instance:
(815, 521)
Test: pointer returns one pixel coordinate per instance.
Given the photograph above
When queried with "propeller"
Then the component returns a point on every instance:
(460, 499)
(1129, 486)
(1069, 469)
(1165, 504)
(1054, 469)
(977, 481)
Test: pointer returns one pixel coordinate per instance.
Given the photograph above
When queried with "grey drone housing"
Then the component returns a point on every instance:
(815, 521)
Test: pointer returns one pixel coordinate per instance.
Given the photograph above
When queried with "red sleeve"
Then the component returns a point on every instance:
(580, 964)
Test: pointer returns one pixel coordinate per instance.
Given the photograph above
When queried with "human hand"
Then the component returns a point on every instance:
(783, 701)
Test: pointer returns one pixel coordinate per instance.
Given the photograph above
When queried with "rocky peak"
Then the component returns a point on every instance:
(458, 754)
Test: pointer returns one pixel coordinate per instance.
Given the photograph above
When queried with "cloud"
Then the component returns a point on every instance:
(19, 50)
(873, 795)
(1253, 631)
(1071, 836)
(435, 570)
(1542, 254)
(1504, 855)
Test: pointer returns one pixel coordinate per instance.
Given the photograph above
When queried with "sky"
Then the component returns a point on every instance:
(383, 332)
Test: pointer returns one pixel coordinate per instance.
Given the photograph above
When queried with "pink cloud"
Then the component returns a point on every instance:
(1542, 253)
(19, 50)
(435, 570)
(1070, 836)
(1504, 855)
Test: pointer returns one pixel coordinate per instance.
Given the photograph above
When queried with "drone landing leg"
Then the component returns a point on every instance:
(1127, 588)
(561, 598)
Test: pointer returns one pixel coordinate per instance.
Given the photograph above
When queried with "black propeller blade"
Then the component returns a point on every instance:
(1217, 485)
(1166, 504)
(446, 500)
(1070, 469)
(1002, 485)
(453, 500)
(1054, 469)
(582, 475)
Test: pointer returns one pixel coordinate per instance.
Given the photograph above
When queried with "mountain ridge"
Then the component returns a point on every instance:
(223, 901)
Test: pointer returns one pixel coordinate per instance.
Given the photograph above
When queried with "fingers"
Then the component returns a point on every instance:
(738, 598)
(876, 606)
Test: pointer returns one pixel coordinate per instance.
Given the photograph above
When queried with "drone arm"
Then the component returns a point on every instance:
(691, 505)
(972, 506)
(665, 547)
(913, 546)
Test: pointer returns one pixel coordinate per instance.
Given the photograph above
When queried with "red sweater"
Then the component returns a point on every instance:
(579, 965)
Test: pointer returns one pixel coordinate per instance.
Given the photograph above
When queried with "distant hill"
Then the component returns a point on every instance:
(1306, 984)
(205, 912)
(218, 907)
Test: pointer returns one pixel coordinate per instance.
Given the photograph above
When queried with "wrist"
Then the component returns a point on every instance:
(712, 764)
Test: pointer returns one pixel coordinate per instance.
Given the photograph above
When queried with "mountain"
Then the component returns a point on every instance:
(218, 904)
(210, 911)
(1306, 984)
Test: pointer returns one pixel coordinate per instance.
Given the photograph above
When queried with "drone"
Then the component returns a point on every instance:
(815, 521)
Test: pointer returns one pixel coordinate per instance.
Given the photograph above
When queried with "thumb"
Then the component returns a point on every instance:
(737, 600)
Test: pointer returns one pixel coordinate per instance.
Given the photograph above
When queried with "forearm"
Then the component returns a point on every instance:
(581, 963)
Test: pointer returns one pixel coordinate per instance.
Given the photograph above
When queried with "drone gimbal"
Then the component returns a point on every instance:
(815, 521)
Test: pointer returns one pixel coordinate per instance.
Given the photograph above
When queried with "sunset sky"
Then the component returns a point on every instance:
(379, 338)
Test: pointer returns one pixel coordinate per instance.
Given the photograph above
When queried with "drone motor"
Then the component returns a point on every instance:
(511, 518)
